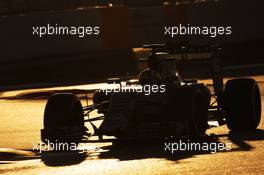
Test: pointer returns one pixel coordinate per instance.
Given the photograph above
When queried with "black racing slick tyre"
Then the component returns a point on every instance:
(200, 104)
(63, 119)
(189, 104)
(242, 102)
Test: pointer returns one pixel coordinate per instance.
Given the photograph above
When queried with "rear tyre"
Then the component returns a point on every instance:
(200, 100)
(242, 104)
(63, 119)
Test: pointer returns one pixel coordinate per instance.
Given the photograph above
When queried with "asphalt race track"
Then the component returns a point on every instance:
(21, 119)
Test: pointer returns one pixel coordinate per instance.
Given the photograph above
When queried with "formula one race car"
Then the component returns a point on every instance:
(159, 105)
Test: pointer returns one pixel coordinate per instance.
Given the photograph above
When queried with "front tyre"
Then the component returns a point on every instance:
(63, 119)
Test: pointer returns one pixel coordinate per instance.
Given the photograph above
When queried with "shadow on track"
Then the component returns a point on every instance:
(62, 158)
(138, 150)
(49, 158)
(240, 138)
(143, 150)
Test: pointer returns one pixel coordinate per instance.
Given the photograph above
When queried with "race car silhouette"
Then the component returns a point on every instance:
(174, 108)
